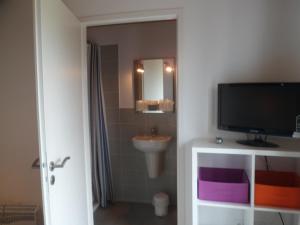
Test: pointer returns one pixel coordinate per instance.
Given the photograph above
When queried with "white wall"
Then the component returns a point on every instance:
(234, 41)
(18, 133)
(135, 41)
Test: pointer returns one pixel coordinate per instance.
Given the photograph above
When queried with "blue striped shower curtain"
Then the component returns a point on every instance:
(101, 165)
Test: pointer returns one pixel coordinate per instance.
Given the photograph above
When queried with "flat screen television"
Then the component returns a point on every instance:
(259, 108)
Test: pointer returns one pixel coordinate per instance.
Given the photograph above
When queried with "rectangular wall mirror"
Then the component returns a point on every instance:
(154, 85)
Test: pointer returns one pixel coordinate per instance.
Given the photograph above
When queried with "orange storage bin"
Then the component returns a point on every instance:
(277, 189)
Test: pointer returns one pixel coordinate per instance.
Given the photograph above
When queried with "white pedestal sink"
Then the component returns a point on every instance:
(154, 148)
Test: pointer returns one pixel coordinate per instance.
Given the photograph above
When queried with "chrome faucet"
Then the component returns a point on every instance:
(154, 131)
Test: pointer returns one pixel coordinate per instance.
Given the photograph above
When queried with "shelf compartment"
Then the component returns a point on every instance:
(277, 189)
(274, 218)
(223, 185)
(223, 216)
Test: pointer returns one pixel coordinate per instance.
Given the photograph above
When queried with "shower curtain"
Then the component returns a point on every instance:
(101, 164)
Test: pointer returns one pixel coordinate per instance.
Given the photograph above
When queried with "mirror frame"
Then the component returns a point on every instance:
(137, 84)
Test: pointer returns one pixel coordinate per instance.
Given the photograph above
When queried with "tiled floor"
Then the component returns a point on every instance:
(133, 214)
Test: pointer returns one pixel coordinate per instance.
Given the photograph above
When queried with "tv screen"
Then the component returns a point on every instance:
(260, 108)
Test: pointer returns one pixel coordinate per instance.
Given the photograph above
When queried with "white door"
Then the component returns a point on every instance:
(66, 190)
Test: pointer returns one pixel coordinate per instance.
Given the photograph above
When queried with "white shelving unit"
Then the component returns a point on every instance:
(206, 153)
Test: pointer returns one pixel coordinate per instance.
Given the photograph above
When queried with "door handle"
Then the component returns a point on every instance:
(36, 163)
(54, 165)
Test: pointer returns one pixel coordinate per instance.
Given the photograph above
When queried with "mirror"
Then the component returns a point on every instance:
(154, 85)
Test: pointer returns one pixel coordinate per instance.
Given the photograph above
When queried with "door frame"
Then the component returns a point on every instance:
(37, 36)
(134, 17)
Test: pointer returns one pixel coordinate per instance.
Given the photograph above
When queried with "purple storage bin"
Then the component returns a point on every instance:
(224, 185)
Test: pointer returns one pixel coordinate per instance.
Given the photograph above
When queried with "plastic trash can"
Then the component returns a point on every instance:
(161, 203)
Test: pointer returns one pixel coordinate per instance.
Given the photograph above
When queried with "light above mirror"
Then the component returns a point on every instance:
(140, 68)
(168, 68)
(154, 84)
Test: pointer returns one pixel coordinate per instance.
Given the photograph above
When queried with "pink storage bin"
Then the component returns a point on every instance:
(223, 185)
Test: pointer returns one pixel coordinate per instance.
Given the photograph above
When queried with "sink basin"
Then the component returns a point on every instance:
(151, 143)
(154, 148)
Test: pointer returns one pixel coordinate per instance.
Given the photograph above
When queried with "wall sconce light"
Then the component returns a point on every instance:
(168, 68)
(140, 68)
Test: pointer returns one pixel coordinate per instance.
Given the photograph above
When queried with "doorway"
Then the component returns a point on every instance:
(133, 189)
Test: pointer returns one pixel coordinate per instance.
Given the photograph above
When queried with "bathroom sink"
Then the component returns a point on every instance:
(154, 148)
(149, 143)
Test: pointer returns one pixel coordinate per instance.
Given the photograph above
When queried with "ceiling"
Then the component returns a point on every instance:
(85, 8)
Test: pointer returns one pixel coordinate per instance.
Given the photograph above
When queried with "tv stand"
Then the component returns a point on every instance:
(207, 153)
(258, 142)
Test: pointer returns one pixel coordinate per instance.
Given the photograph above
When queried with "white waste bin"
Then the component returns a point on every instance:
(161, 203)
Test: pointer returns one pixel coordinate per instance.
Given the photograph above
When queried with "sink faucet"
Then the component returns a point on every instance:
(154, 131)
